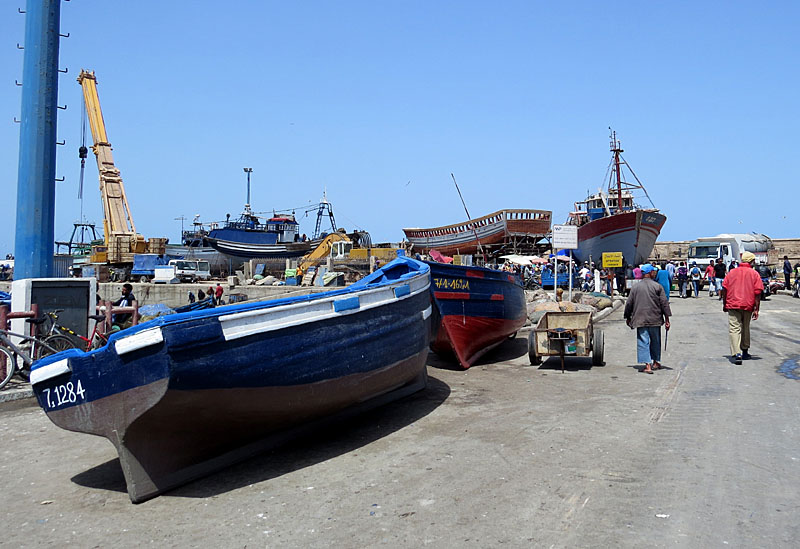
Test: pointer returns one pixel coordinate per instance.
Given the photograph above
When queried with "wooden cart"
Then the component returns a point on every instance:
(565, 334)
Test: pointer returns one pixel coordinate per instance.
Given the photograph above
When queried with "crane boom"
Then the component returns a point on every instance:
(118, 219)
(121, 238)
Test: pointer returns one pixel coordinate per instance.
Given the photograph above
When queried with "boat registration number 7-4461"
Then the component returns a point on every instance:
(67, 393)
(451, 283)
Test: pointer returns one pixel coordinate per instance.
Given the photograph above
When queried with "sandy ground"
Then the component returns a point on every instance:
(703, 454)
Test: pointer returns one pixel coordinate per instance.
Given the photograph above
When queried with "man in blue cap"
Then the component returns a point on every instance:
(646, 310)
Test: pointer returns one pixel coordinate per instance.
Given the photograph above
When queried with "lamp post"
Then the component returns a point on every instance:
(248, 171)
(36, 185)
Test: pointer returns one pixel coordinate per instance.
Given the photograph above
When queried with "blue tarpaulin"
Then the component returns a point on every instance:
(157, 309)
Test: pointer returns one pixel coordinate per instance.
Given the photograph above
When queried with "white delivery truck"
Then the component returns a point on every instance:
(191, 270)
(729, 247)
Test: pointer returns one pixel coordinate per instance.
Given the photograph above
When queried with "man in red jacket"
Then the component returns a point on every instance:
(740, 298)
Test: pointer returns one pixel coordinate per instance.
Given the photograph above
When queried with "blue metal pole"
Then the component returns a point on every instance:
(36, 190)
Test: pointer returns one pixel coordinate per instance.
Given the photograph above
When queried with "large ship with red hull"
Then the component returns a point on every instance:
(611, 221)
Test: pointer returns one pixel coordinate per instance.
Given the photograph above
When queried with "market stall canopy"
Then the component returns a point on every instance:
(523, 259)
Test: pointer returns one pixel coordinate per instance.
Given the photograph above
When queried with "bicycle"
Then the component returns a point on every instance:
(532, 284)
(97, 339)
(29, 350)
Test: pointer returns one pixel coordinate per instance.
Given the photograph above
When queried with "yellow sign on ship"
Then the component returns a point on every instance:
(612, 259)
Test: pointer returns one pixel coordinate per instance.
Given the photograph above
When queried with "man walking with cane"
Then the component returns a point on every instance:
(646, 310)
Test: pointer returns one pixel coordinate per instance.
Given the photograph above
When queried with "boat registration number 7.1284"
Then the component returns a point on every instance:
(67, 393)
(451, 284)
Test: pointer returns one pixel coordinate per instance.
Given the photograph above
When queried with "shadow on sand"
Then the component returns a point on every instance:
(508, 350)
(320, 444)
(571, 363)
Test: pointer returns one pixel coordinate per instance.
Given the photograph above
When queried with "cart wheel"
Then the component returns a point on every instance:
(597, 348)
(534, 358)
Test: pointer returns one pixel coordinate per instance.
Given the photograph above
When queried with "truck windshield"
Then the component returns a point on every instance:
(703, 252)
(203, 266)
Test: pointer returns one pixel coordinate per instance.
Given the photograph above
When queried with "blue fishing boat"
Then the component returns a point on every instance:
(476, 310)
(250, 237)
(186, 394)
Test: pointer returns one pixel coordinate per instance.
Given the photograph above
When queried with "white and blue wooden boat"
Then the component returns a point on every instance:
(186, 394)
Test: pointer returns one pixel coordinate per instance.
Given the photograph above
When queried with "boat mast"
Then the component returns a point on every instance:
(474, 230)
(617, 150)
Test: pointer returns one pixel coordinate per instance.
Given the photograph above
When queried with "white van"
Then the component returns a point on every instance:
(191, 270)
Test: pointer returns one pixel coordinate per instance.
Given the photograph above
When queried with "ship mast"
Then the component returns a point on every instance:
(617, 150)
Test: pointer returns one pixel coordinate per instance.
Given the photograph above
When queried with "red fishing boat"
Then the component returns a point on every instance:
(475, 309)
(611, 221)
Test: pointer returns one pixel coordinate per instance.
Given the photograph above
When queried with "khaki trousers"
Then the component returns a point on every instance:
(739, 329)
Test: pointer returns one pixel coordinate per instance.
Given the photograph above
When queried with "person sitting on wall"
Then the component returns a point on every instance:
(124, 320)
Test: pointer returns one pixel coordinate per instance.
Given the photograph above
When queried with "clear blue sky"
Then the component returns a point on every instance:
(360, 98)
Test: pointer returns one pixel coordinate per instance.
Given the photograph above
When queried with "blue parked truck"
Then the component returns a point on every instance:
(546, 280)
(144, 266)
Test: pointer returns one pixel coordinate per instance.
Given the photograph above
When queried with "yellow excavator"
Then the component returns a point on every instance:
(121, 239)
(321, 252)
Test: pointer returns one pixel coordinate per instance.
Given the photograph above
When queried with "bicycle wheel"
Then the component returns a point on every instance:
(8, 363)
(53, 344)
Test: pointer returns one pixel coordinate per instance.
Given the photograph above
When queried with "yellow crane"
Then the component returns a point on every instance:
(318, 254)
(121, 238)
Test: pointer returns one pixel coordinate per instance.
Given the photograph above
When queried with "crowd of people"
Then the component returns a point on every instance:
(740, 286)
(689, 278)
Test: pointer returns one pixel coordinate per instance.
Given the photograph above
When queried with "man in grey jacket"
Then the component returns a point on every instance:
(646, 310)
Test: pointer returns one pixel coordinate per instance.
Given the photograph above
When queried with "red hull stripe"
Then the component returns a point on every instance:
(475, 274)
(497, 297)
(450, 295)
(605, 225)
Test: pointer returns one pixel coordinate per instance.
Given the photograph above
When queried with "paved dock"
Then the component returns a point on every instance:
(703, 454)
